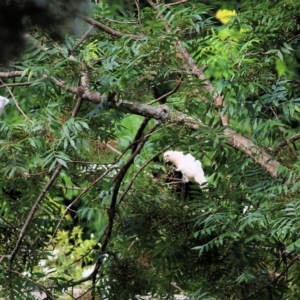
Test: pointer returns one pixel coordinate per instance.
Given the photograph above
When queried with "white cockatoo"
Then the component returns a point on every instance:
(187, 164)
(3, 102)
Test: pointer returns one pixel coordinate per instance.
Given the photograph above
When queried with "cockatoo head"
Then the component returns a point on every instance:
(172, 156)
(167, 156)
(3, 102)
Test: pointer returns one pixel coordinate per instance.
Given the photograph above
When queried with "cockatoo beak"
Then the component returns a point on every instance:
(166, 158)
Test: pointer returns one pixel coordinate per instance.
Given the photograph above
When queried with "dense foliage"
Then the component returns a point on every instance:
(86, 201)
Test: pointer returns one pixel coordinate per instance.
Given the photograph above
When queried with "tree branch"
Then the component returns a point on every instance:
(142, 168)
(39, 199)
(165, 114)
(110, 30)
(16, 102)
(83, 38)
(11, 74)
(112, 208)
(32, 212)
(192, 67)
(285, 142)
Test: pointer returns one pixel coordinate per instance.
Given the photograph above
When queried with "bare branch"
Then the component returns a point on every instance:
(165, 114)
(115, 21)
(176, 3)
(110, 30)
(168, 93)
(276, 278)
(11, 74)
(112, 148)
(137, 2)
(112, 209)
(80, 195)
(32, 212)
(15, 84)
(83, 38)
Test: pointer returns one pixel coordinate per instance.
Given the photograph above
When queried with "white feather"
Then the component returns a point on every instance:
(3, 102)
(190, 168)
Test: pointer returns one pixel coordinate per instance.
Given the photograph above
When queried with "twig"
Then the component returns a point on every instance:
(110, 30)
(83, 38)
(137, 4)
(79, 196)
(139, 133)
(111, 211)
(112, 148)
(75, 188)
(32, 212)
(38, 200)
(295, 37)
(172, 283)
(8, 223)
(115, 21)
(285, 142)
(168, 93)
(175, 3)
(16, 102)
(274, 280)
(15, 84)
(142, 168)
(177, 180)
(38, 285)
(77, 107)
(287, 268)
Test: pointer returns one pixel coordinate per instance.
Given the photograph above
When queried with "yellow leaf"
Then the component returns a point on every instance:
(224, 15)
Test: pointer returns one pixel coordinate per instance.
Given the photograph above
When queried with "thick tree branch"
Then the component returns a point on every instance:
(259, 156)
(11, 74)
(165, 114)
(237, 141)
(192, 67)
